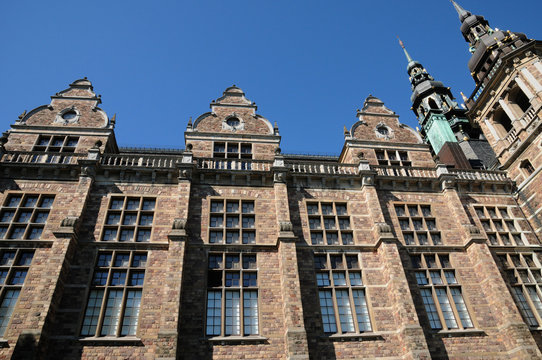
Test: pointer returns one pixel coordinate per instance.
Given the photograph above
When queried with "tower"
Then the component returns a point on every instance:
(444, 125)
(506, 103)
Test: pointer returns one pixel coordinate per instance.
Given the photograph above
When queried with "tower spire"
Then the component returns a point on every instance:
(463, 14)
(409, 58)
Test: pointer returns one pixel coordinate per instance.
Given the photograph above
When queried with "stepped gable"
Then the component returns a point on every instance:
(378, 123)
(76, 106)
(233, 113)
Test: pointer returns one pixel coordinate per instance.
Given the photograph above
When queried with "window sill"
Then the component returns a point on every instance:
(112, 341)
(368, 336)
(223, 340)
(460, 333)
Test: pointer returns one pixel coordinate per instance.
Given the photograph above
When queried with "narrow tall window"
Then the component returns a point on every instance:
(393, 157)
(23, 216)
(329, 223)
(232, 295)
(232, 222)
(341, 291)
(522, 273)
(441, 293)
(14, 266)
(129, 219)
(115, 295)
(527, 167)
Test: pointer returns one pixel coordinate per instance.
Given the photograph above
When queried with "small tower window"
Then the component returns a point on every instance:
(527, 166)
(383, 130)
(233, 122)
(502, 122)
(433, 104)
(69, 115)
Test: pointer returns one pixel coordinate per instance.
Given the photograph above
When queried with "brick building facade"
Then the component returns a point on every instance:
(399, 248)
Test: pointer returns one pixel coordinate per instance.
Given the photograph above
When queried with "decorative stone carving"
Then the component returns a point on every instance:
(368, 180)
(383, 228)
(279, 177)
(473, 230)
(179, 224)
(286, 226)
(69, 221)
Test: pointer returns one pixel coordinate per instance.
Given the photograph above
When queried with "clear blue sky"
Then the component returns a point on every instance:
(307, 64)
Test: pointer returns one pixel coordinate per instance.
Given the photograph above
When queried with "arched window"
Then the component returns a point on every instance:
(432, 103)
(518, 100)
(502, 122)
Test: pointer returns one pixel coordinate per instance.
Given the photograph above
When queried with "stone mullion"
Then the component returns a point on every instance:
(295, 335)
(516, 335)
(168, 334)
(47, 274)
(510, 323)
(410, 332)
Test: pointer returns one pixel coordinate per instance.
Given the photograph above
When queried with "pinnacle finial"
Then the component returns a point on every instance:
(463, 14)
(409, 59)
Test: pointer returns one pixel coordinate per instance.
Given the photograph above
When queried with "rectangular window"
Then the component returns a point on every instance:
(522, 272)
(329, 223)
(232, 295)
(418, 225)
(501, 226)
(23, 216)
(59, 147)
(441, 294)
(129, 219)
(115, 294)
(14, 265)
(232, 221)
(393, 158)
(342, 294)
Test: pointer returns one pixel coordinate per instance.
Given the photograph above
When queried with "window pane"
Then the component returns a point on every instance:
(232, 262)
(104, 259)
(362, 311)
(317, 238)
(446, 308)
(6, 308)
(214, 307)
(118, 278)
(7, 216)
(435, 277)
(535, 298)
(524, 307)
(217, 206)
(461, 307)
(339, 279)
(112, 313)
(249, 237)
(110, 234)
(139, 260)
(450, 277)
(312, 209)
(327, 209)
(232, 237)
(232, 221)
(127, 235)
(248, 207)
(345, 311)
(250, 279)
(215, 237)
(100, 278)
(14, 201)
(232, 279)
(92, 314)
(347, 238)
(248, 222)
(148, 204)
(146, 219)
(355, 278)
(232, 207)
(232, 312)
(131, 312)
(250, 312)
(41, 217)
(328, 313)
(31, 201)
(132, 204)
(216, 221)
(249, 261)
(35, 233)
(143, 235)
(322, 279)
(332, 238)
(421, 278)
(129, 219)
(430, 309)
(122, 260)
(18, 277)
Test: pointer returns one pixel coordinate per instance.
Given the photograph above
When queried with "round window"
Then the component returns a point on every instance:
(69, 115)
(233, 122)
(383, 130)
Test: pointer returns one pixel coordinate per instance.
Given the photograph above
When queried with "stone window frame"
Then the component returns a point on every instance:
(24, 218)
(344, 236)
(524, 280)
(104, 279)
(357, 311)
(52, 145)
(226, 126)
(392, 157)
(441, 312)
(59, 117)
(221, 280)
(413, 235)
(120, 228)
(14, 267)
(527, 167)
(240, 147)
(495, 221)
(388, 136)
(222, 228)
